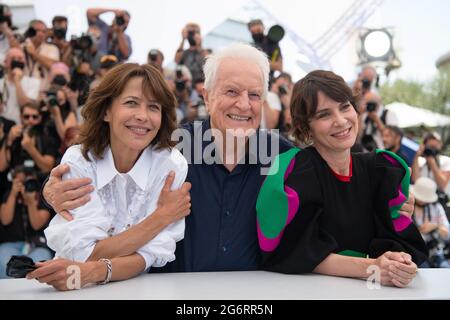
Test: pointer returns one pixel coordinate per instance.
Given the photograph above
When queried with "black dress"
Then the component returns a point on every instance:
(306, 211)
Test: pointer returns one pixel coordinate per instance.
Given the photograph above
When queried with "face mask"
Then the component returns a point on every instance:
(60, 80)
(17, 64)
(258, 37)
(59, 33)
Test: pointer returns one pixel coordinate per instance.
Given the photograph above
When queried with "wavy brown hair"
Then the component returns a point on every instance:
(94, 132)
(305, 98)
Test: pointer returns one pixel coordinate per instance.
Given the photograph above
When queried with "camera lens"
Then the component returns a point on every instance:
(32, 185)
(120, 21)
(180, 85)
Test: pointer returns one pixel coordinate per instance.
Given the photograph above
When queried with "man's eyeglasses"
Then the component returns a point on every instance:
(33, 116)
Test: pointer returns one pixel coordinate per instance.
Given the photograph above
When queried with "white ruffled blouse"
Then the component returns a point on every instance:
(118, 202)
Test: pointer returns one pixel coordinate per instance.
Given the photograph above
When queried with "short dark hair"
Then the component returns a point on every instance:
(31, 105)
(396, 130)
(255, 22)
(285, 75)
(33, 22)
(94, 132)
(59, 19)
(305, 98)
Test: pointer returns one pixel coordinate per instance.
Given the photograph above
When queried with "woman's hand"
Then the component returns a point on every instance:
(62, 274)
(30, 199)
(175, 204)
(396, 268)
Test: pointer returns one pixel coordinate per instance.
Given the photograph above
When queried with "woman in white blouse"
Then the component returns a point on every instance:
(126, 149)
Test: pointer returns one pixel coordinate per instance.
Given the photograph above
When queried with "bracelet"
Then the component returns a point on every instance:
(108, 271)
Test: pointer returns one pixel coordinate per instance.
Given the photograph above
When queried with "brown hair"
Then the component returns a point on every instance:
(94, 132)
(305, 98)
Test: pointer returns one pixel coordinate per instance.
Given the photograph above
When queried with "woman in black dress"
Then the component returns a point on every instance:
(328, 211)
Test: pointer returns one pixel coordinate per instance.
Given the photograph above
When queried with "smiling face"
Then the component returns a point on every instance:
(334, 126)
(235, 101)
(134, 119)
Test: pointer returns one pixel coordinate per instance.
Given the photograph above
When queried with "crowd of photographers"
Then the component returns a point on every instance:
(45, 80)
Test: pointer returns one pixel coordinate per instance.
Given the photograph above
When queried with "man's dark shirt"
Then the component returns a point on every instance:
(220, 232)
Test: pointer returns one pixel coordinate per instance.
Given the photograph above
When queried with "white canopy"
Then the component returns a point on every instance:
(409, 116)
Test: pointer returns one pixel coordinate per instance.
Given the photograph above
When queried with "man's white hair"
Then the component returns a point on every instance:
(239, 51)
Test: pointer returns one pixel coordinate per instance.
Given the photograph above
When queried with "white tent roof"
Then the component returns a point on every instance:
(409, 116)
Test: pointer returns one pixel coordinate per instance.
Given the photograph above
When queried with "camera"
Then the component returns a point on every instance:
(120, 21)
(17, 64)
(153, 55)
(30, 33)
(51, 98)
(32, 185)
(283, 90)
(59, 80)
(180, 84)
(82, 43)
(191, 38)
(371, 106)
(3, 18)
(366, 84)
(430, 152)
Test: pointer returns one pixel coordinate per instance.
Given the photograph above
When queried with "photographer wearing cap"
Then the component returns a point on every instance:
(429, 162)
(156, 58)
(7, 38)
(268, 44)
(429, 216)
(16, 87)
(28, 143)
(194, 56)
(107, 62)
(23, 217)
(113, 39)
(40, 55)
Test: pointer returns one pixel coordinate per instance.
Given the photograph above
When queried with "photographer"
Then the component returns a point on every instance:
(270, 48)
(16, 88)
(7, 38)
(368, 80)
(40, 55)
(428, 162)
(392, 140)
(62, 117)
(113, 39)
(429, 216)
(156, 58)
(58, 35)
(27, 143)
(5, 126)
(193, 57)
(186, 97)
(23, 218)
(107, 62)
(282, 86)
(374, 117)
